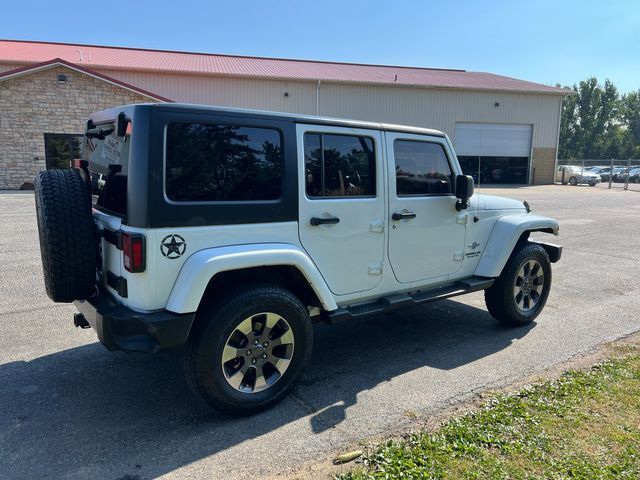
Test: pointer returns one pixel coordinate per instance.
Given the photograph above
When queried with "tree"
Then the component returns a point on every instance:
(630, 110)
(567, 148)
(598, 123)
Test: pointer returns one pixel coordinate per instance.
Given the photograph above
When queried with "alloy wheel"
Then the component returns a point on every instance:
(258, 352)
(529, 285)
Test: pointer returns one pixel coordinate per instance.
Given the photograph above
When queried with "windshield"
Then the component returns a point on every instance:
(108, 157)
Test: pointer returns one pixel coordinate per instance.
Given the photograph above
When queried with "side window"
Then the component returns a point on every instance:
(207, 162)
(339, 166)
(421, 168)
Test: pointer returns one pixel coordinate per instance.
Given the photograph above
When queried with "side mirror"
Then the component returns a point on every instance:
(464, 190)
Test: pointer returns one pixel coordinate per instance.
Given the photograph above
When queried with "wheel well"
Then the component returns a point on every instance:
(286, 276)
(524, 238)
(525, 235)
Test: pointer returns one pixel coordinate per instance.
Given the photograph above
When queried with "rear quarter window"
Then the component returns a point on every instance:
(218, 163)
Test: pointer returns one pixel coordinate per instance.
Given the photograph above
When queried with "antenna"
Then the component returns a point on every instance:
(477, 216)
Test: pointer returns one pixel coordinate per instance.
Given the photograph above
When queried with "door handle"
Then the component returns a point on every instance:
(403, 216)
(315, 221)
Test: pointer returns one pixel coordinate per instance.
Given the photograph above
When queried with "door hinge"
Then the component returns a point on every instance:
(119, 284)
(375, 269)
(377, 226)
(458, 256)
(113, 237)
(462, 218)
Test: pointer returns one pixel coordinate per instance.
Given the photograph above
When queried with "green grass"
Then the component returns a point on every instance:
(585, 425)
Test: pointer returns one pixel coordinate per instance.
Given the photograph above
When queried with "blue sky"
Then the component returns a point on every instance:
(542, 41)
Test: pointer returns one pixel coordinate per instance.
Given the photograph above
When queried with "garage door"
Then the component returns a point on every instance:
(493, 140)
(494, 153)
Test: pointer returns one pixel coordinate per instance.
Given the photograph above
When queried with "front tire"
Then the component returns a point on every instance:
(520, 292)
(573, 181)
(248, 348)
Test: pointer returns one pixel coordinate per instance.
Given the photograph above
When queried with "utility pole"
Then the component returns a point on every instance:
(611, 173)
(626, 180)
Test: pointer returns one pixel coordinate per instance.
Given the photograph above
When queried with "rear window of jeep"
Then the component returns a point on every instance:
(108, 157)
(209, 162)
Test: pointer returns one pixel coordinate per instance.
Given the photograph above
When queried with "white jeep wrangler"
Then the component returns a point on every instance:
(228, 232)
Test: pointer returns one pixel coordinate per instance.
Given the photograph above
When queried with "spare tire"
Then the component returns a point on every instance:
(67, 234)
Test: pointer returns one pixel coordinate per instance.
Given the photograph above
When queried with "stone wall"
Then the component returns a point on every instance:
(35, 104)
(544, 162)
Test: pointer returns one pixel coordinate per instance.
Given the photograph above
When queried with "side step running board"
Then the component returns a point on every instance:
(393, 302)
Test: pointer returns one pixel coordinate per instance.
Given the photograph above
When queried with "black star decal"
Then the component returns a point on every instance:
(173, 246)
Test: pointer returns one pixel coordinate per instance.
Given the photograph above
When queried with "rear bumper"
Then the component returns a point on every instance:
(120, 328)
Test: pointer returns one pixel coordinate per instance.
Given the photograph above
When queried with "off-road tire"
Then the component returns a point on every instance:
(67, 235)
(500, 299)
(216, 320)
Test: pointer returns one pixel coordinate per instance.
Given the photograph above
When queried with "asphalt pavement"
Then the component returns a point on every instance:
(71, 409)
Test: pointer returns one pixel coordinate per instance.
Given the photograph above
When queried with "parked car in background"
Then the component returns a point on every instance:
(574, 175)
(605, 174)
(621, 176)
(634, 175)
(597, 169)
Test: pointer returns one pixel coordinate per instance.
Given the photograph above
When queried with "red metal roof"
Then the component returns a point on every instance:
(25, 70)
(96, 57)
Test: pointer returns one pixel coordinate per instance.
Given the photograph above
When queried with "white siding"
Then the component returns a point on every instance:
(433, 108)
(441, 109)
(227, 91)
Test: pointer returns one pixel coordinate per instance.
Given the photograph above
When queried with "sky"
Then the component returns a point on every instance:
(561, 41)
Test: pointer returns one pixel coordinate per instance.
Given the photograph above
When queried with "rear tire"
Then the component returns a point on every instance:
(248, 349)
(67, 234)
(520, 292)
(573, 181)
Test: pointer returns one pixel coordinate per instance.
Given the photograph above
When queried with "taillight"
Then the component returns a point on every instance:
(133, 252)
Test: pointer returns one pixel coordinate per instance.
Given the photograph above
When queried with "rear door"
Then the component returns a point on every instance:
(427, 234)
(342, 208)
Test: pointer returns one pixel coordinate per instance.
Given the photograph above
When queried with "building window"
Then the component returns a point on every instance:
(207, 162)
(61, 148)
(339, 166)
(422, 168)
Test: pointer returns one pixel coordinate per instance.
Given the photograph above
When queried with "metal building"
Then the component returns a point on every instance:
(504, 128)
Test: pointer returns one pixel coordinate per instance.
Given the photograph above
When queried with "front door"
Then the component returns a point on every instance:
(427, 234)
(342, 206)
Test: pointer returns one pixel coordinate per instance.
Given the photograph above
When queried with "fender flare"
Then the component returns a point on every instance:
(504, 236)
(201, 267)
